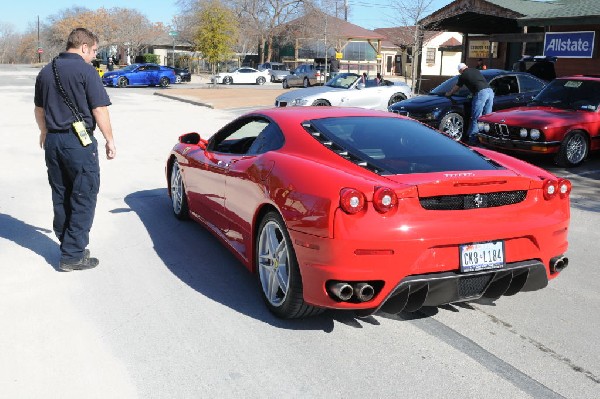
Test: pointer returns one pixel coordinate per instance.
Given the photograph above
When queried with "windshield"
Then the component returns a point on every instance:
(447, 86)
(390, 145)
(343, 80)
(570, 94)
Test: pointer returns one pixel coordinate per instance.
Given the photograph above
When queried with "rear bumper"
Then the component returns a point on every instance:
(435, 289)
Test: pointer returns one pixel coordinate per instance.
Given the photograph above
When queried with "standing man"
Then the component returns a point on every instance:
(334, 66)
(72, 156)
(483, 96)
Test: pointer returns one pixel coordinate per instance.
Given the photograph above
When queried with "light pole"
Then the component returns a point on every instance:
(173, 33)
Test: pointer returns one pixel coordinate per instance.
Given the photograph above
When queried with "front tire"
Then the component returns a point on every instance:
(306, 82)
(285, 84)
(227, 80)
(178, 197)
(178, 79)
(397, 97)
(272, 78)
(278, 272)
(453, 125)
(573, 150)
(122, 82)
(260, 80)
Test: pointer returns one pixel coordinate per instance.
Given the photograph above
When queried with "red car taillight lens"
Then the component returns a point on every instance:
(564, 187)
(384, 199)
(352, 201)
(550, 189)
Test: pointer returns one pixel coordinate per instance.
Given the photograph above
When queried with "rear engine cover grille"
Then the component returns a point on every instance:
(473, 285)
(472, 201)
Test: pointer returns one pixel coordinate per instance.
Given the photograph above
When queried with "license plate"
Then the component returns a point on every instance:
(481, 256)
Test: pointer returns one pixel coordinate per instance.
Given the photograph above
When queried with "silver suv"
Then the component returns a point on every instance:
(304, 76)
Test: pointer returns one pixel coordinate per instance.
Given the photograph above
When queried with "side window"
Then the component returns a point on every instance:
(505, 85)
(237, 138)
(269, 139)
(153, 67)
(530, 84)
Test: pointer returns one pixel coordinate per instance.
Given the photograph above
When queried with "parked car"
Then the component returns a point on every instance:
(241, 75)
(357, 209)
(277, 70)
(563, 120)
(305, 75)
(347, 89)
(182, 74)
(140, 75)
(452, 115)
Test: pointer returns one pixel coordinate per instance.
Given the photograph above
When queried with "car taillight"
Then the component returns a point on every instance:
(564, 187)
(384, 199)
(550, 188)
(352, 201)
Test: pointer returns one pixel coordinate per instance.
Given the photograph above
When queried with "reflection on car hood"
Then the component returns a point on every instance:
(538, 117)
(112, 74)
(307, 92)
(425, 102)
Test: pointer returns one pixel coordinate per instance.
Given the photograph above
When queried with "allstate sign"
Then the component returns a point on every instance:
(569, 44)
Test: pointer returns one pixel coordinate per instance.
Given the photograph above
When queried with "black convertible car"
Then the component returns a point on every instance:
(452, 115)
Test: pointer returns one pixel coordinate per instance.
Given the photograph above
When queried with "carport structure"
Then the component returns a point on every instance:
(491, 29)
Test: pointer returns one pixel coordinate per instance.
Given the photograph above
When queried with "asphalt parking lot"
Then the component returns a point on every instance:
(170, 313)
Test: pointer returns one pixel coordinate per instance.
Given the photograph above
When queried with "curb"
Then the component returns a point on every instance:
(184, 100)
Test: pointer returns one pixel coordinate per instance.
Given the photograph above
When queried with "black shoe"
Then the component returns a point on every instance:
(83, 264)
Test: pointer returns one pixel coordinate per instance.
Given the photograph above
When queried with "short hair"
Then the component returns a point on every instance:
(79, 37)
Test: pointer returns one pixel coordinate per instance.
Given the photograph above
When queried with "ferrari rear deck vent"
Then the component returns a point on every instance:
(339, 150)
(472, 201)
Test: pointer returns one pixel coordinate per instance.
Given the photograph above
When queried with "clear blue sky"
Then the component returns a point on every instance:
(21, 14)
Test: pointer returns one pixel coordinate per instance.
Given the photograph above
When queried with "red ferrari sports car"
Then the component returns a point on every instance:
(563, 119)
(366, 210)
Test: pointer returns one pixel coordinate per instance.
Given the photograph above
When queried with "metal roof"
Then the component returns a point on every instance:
(565, 12)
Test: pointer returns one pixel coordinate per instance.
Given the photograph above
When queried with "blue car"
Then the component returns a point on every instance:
(452, 115)
(140, 75)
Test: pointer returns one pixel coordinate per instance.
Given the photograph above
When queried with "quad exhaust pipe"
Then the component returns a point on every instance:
(558, 263)
(361, 292)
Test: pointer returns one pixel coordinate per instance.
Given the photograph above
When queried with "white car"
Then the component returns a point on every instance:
(242, 75)
(348, 90)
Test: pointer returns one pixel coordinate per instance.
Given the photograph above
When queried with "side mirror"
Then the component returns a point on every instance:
(193, 138)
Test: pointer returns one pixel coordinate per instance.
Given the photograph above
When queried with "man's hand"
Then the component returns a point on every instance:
(111, 150)
(42, 139)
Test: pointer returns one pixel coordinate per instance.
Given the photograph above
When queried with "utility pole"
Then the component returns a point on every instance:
(38, 37)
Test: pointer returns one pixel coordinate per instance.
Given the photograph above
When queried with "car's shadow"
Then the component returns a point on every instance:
(202, 262)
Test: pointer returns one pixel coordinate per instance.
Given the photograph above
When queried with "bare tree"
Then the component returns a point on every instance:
(408, 14)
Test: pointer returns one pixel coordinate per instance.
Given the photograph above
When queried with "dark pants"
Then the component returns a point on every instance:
(74, 176)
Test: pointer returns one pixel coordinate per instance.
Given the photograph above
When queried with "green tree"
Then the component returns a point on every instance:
(217, 32)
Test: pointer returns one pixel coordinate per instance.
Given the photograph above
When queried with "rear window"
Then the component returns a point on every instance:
(389, 145)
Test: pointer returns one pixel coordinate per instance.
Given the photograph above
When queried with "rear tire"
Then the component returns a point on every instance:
(285, 84)
(122, 82)
(573, 150)
(164, 82)
(278, 273)
(306, 82)
(260, 80)
(321, 103)
(227, 80)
